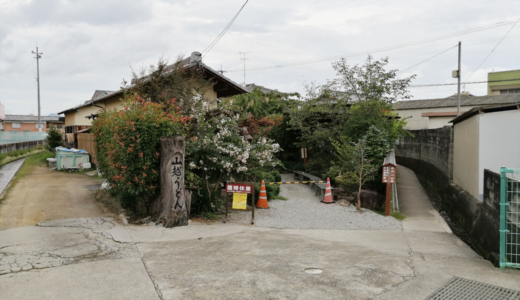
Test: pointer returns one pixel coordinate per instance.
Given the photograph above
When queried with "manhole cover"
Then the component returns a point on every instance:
(313, 271)
(465, 289)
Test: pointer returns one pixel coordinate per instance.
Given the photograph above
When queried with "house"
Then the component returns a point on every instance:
(503, 83)
(485, 138)
(436, 113)
(80, 117)
(29, 122)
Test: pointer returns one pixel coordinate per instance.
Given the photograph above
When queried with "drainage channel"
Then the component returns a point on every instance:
(465, 289)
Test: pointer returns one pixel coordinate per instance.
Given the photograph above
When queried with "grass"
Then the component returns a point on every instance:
(398, 215)
(210, 216)
(15, 155)
(32, 162)
(278, 197)
(37, 159)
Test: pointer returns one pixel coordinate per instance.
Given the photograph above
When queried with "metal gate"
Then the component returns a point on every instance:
(509, 218)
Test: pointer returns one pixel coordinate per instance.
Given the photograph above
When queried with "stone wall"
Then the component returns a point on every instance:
(429, 154)
(434, 146)
(4, 148)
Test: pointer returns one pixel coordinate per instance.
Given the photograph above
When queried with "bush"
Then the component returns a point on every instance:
(128, 148)
(268, 176)
(15, 155)
(54, 138)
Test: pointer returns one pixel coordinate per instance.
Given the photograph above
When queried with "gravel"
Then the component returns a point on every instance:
(303, 210)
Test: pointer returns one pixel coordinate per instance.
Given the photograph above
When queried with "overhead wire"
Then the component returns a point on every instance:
(470, 82)
(493, 49)
(303, 73)
(428, 59)
(383, 48)
(210, 46)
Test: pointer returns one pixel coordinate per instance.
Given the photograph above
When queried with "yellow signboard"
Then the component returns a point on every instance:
(239, 201)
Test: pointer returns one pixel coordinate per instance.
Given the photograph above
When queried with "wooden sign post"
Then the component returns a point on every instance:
(389, 174)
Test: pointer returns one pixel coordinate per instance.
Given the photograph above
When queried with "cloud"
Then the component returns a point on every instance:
(90, 45)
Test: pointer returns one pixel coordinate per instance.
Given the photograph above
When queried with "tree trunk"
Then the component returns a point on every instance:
(174, 202)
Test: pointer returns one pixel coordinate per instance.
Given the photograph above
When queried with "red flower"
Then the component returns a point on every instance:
(141, 154)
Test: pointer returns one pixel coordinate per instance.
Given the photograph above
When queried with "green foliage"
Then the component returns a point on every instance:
(161, 82)
(398, 215)
(217, 153)
(268, 176)
(272, 106)
(343, 111)
(15, 155)
(260, 104)
(54, 138)
(356, 161)
(128, 147)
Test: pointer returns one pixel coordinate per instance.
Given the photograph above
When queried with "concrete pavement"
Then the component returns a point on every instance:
(8, 171)
(415, 205)
(98, 259)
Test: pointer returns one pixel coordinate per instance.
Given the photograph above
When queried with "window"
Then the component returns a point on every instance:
(17, 124)
(510, 91)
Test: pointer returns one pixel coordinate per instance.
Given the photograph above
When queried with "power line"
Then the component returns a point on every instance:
(383, 48)
(210, 46)
(471, 82)
(428, 59)
(494, 48)
(304, 73)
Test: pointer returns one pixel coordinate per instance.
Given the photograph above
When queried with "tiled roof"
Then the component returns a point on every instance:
(100, 93)
(464, 101)
(30, 118)
(231, 88)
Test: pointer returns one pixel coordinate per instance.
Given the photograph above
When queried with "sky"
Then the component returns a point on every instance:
(93, 45)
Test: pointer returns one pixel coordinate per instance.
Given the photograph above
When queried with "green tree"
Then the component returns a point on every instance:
(346, 107)
(54, 138)
(358, 162)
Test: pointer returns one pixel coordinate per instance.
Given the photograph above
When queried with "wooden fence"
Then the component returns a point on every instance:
(86, 142)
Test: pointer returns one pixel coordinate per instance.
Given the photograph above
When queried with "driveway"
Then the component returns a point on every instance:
(44, 195)
(96, 258)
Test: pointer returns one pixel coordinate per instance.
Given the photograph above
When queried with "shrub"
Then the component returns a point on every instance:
(54, 138)
(128, 147)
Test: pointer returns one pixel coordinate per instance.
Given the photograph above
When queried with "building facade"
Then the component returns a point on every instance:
(484, 138)
(436, 113)
(503, 83)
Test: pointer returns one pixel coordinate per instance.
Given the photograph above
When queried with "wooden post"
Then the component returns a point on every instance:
(174, 201)
(388, 188)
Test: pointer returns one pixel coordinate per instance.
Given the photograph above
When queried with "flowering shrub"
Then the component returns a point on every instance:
(128, 146)
(218, 153)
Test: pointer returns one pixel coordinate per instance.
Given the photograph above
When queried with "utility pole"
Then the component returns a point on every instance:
(244, 59)
(458, 86)
(38, 56)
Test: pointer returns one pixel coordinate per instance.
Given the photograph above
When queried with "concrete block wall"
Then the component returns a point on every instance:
(4, 148)
(429, 153)
(434, 146)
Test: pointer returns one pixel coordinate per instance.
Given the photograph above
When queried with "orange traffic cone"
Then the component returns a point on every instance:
(262, 197)
(328, 194)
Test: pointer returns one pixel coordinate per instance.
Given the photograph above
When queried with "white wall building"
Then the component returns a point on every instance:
(485, 138)
(436, 113)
